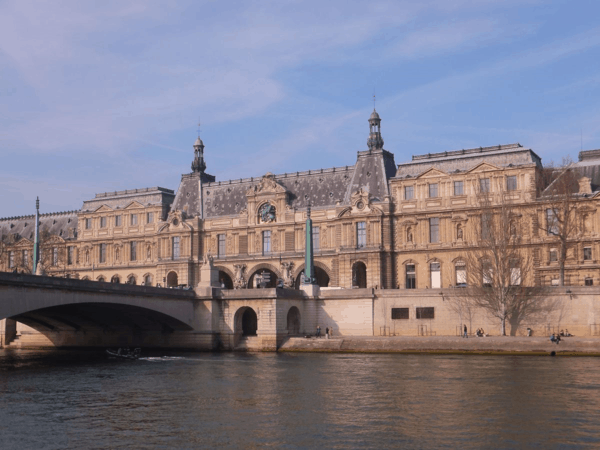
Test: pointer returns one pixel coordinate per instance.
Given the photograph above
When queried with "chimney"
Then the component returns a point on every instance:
(585, 185)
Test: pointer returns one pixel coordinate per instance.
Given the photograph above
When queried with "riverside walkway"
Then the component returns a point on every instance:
(588, 346)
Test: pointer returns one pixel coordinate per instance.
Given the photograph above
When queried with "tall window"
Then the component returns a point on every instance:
(102, 222)
(25, 257)
(118, 221)
(149, 217)
(434, 230)
(411, 277)
(433, 190)
(409, 192)
(88, 224)
(316, 235)
(486, 225)
(515, 272)
(487, 273)
(551, 222)
(587, 253)
(436, 275)
(484, 185)
(102, 255)
(175, 247)
(133, 251)
(361, 234)
(70, 255)
(11, 260)
(266, 235)
(461, 274)
(458, 188)
(134, 219)
(221, 247)
(553, 255)
(54, 256)
(511, 183)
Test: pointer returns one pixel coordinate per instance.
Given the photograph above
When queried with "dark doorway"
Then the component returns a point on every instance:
(293, 321)
(249, 322)
(172, 279)
(225, 280)
(359, 275)
(320, 275)
(253, 281)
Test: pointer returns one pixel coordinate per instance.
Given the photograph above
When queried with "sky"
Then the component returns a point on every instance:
(105, 96)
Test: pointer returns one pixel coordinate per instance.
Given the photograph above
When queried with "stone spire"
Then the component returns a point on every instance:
(375, 141)
(198, 165)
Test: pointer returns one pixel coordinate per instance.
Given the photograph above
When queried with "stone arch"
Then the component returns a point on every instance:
(225, 276)
(294, 323)
(147, 279)
(86, 278)
(115, 279)
(359, 274)
(246, 321)
(258, 268)
(131, 279)
(322, 273)
(172, 279)
(101, 279)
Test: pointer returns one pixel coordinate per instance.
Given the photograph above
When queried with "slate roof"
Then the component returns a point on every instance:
(589, 166)
(462, 160)
(121, 199)
(63, 224)
(322, 187)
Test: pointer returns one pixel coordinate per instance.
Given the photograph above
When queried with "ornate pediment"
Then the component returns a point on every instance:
(432, 173)
(267, 185)
(104, 208)
(360, 201)
(483, 167)
(134, 205)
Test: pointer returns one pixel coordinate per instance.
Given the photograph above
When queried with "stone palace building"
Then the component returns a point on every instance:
(376, 223)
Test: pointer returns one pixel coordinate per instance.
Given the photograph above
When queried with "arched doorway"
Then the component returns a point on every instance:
(225, 280)
(359, 275)
(320, 275)
(246, 321)
(293, 321)
(172, 279)
(253, 281)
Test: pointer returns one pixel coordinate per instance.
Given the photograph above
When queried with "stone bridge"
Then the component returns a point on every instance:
(71, 312)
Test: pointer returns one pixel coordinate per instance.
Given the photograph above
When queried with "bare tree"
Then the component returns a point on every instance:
(464, 307)
(499, 266)
(560, 201)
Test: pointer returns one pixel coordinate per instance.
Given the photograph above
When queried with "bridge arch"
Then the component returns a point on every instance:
(246, 321)
(294, 323)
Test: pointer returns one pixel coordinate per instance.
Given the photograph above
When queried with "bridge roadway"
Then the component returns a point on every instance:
(72, 312)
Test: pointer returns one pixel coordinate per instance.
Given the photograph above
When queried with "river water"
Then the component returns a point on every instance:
(63, 399)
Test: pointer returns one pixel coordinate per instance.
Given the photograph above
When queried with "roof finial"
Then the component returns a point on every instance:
(374, 99)
(198, 128)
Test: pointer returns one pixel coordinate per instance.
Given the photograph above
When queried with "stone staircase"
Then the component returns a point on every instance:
(30, 341)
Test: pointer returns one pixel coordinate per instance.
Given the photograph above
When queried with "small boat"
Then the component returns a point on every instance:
(125, 353)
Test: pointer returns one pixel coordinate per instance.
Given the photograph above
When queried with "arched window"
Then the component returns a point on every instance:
(131, 279)
(101, 279)
(148, 280)
(115, 279)
(411, 276)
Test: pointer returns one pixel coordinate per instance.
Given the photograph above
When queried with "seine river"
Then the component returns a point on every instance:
(188, 400)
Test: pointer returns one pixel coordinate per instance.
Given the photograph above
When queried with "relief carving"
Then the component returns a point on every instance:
(240, 280)
(288, 276)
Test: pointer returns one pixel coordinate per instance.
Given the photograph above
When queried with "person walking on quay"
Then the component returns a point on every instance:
(466, 335)
(318, 331)
(327, 333)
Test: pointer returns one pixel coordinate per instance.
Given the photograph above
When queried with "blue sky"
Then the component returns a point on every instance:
(104, 96)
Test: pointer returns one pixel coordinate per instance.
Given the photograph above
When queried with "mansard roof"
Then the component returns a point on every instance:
(589, 166)
(466, 159)
(322, 187)
(151, 196)
(63, 224)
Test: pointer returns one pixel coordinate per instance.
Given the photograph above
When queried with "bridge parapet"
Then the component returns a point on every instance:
(70, 284)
